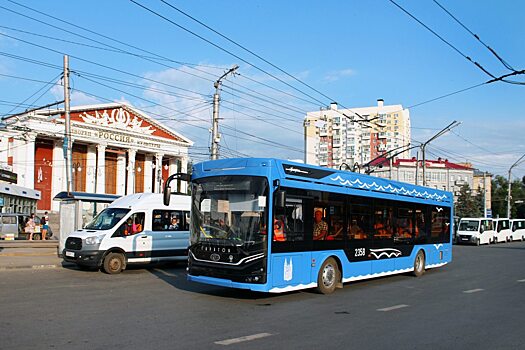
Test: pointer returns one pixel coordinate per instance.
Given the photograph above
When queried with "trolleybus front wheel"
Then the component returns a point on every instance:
(329, 276)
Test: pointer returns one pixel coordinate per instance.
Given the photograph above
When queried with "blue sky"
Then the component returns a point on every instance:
(353, 52)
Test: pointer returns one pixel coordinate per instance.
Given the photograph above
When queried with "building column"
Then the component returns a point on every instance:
(58, 183)
(91, 169)
(158, 172)
(183, 169)
(121, 174)
(148, 173)
(100, 179)
(131, 170)
(24, 162)
(173, 167)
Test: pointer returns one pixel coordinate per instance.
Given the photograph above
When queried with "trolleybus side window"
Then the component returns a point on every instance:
(289, 222)
(359, 216)
(328, 215)
(440, 225)
(383, 221)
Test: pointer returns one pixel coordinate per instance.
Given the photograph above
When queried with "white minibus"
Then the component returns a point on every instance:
(517, 229)
(475, 230)
(502, 231)
(135, 229)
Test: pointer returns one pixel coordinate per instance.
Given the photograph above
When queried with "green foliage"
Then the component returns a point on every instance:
(500, 187)
(468, 205)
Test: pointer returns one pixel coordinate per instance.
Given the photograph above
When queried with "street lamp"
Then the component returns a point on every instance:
(423, 145)
(510, 184)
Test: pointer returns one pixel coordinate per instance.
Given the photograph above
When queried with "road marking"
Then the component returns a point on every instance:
(521, 280)
(243, 339)
(395, 307)
(473, 291)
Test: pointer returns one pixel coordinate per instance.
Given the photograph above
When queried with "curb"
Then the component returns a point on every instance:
(36, 267)
(32, 267)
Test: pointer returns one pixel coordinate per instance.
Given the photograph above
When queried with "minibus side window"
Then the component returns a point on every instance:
(170, 220)
(133, 225)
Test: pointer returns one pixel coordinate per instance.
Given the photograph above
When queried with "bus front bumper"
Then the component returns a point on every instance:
(227, 283)
(89, 258)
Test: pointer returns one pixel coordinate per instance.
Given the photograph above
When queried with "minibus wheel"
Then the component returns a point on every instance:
(114, 263)
(419, 264)
(328, 277)
(477, 242)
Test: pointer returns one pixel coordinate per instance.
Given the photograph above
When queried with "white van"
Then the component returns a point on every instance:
(502, 230)
(518, 229)
(134, 229)
(475, 230)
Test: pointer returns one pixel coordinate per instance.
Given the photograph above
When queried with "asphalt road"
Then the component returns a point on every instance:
(476, 302)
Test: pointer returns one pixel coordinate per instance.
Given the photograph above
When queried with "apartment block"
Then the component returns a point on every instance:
(335, 137)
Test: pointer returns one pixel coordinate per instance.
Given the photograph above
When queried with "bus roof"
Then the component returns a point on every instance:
(151, 201)
(289, 172)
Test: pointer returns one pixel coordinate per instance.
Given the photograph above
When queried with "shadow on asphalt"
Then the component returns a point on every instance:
(176, 276)
(506, 247)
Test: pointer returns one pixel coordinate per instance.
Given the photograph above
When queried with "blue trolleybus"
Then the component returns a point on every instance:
(271, 225)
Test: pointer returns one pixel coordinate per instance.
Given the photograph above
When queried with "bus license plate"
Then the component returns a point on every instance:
(70, 254)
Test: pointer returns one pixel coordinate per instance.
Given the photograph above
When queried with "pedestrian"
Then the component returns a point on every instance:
(30, 226)
(45, 225)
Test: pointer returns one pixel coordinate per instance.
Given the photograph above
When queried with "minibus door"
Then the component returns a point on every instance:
(144, 246)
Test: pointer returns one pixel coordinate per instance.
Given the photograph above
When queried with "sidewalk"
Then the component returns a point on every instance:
(29, 255)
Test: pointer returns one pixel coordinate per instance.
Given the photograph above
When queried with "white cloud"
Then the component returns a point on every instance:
(190, 112)
(339, 74)
(77, 98)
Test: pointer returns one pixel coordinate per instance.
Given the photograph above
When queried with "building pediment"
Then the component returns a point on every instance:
(124, 118)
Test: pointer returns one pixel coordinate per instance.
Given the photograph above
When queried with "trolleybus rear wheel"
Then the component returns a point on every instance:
(419, 264)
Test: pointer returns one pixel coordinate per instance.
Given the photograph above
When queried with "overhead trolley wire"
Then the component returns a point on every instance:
(443, 39)
(115, 49)
(223, 49)
(505, 64)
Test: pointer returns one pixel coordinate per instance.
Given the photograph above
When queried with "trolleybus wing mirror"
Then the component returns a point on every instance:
(167, 188)
(280, 199)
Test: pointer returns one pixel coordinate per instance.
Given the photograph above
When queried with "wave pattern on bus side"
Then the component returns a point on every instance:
(388, 252)
(389, 188)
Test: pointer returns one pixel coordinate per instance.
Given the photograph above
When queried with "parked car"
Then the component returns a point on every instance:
(518, 230)
(475, 230)
(12, 225)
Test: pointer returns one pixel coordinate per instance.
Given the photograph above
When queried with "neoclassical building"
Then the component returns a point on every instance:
(117, 149)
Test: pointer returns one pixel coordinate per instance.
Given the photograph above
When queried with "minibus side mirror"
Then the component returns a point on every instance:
(513, 228)
(482, 229)
(280, 199)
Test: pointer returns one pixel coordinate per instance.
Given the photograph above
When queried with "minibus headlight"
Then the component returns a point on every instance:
(94, 240)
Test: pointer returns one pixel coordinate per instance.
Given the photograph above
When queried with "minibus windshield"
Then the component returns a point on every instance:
(107, 219)
(469, 225)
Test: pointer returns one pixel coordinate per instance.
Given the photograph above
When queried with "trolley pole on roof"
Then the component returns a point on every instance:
(67, 132)
(215, 137)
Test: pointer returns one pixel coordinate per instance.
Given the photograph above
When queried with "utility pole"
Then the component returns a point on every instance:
(510, 184)
(215, 137)
(67, 134)
(424, 145)
(484, 194)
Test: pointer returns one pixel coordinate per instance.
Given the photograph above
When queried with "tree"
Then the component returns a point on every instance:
(500, 188)
(468, 205)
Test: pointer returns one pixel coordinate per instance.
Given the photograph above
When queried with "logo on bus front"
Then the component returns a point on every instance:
(215, 257)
